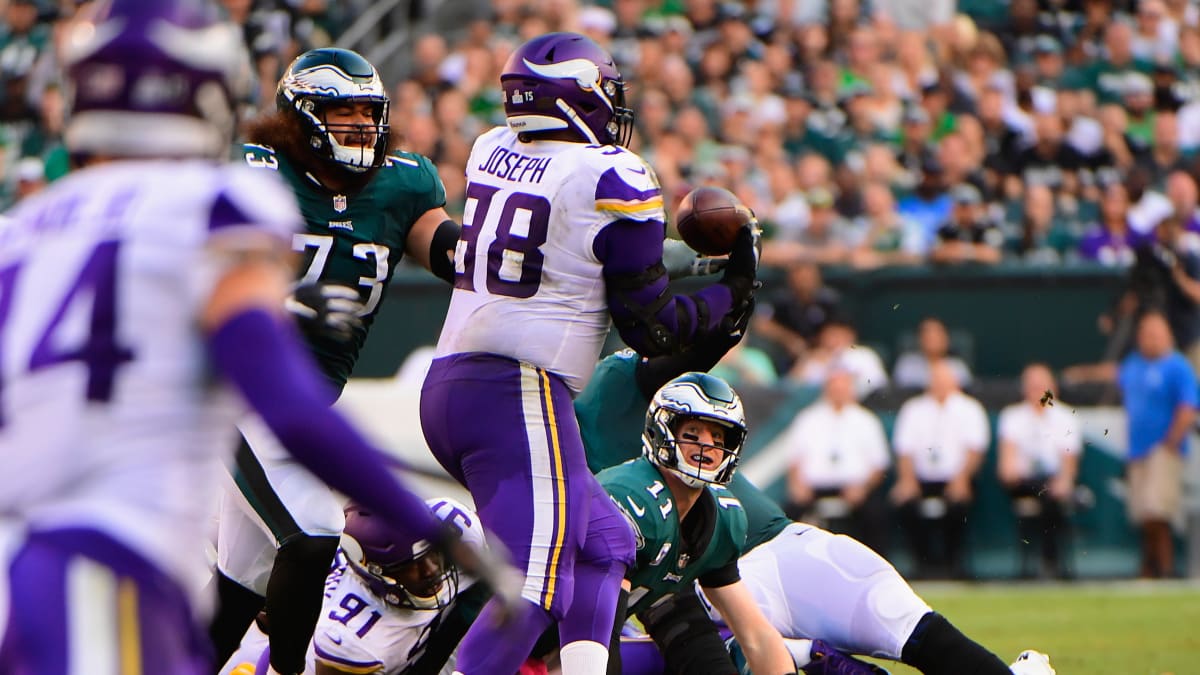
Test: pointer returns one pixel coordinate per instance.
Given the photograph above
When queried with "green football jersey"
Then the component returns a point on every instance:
(611, 412)
(667, 561)
(355, 239)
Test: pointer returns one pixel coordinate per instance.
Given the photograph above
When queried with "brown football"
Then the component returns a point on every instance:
(708, 220)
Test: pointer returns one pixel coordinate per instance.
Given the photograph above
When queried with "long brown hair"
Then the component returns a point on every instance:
(282, 131)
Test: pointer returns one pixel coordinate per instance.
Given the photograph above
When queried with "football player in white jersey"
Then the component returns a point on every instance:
(384, 597)
(562, 235)
(129, 291)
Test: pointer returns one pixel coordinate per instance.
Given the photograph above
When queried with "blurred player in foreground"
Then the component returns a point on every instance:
(809, 582)
(563, 234)
(386, 593)
(365, 206)
(128, 290)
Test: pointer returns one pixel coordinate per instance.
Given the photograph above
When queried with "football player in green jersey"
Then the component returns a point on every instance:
(688, 527)
(809, 582)
(365, 205)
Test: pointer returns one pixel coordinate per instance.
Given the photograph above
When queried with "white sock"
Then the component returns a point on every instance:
(584, 657)
(801, 651)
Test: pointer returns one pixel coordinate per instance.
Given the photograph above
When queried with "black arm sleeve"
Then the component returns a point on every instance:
(719, 578)
(441, 250)
(653, 372)
(687, 637)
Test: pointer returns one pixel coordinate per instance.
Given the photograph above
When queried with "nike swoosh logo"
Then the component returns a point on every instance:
(636, 509)
(335, 639)
(641, 170)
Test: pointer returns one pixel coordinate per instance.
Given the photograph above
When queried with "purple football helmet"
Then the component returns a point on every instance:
(379, 554)
(566, 81)
(153, 79)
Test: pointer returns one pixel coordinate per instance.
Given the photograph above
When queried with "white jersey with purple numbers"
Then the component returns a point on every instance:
(109, 417)
(528, 284)
(358, 632)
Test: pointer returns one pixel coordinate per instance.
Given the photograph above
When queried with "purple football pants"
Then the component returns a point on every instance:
(82, 602)
(507, 432)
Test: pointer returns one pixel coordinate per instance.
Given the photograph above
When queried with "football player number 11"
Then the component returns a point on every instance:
(514, 256)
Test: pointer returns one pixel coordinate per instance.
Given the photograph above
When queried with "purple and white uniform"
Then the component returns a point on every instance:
(525, 326)
(529, 283)
(359, 631)
(110, 423)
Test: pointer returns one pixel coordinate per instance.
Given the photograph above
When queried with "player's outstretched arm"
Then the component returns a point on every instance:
(761, 643)
(649, 318)
(252, 345)
(431, 243)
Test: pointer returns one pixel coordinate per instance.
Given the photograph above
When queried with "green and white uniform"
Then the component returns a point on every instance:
(809, 583)
(705, 547)
(612, 412)
(355, 240)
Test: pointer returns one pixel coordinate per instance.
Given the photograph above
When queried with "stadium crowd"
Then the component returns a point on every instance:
(861, 133)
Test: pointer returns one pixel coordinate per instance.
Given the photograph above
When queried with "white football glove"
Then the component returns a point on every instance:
(681, 261)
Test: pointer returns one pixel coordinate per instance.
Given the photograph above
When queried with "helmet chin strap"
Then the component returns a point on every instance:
(577, 121)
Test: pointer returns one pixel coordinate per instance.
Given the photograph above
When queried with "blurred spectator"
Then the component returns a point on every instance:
(913, 368)
(1163, 155)
(940, 439)
(916, 137)
(790, 318)
(1138, 93)
(1158, 387)
(968, 236)
(1185, 200)
(839, 455)
(928, 16)
(826, 240)
(266, 30)
(1042, 235)
(1166, 278)
(1005, 132)
(1110, 241)
(882, 236)
(837, 348)
(1107, 73)
(930, 205)
(1156, 36)
(1051, 162)
(22, 39)
(1039, 446)
(1048, 62)
(960, 163)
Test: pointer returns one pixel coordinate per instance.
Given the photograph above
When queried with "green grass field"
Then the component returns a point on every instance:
(1125, 628)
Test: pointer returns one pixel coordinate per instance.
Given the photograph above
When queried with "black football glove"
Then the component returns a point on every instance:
(741, 272)
(326, 310)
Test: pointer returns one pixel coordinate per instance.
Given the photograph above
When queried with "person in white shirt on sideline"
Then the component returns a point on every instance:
(1039, 444)
(839, 456)
(933, 344)
(837, 347)
(940, 438)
